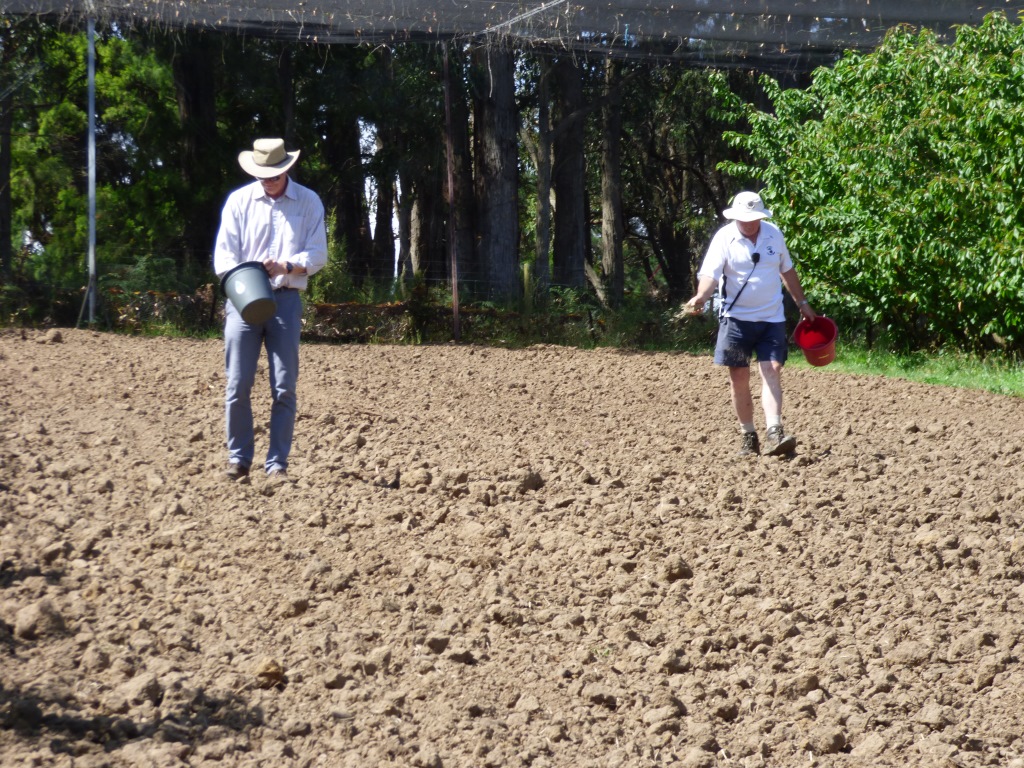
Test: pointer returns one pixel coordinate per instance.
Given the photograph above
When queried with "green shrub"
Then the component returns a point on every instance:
(898, 178)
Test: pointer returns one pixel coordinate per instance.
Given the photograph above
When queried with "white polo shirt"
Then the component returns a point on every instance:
(730, 258)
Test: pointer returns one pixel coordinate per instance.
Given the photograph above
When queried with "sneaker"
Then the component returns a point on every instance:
(277, 477)
(778, 443)
(751, 446)
(236, 471)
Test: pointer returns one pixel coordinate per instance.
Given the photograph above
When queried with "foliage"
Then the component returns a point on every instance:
(673, 185)
(173, 110)
(331, 285)
(897, 177)
(137, 185)
(671, 145)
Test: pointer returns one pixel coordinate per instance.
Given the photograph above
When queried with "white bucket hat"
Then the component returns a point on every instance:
(267, 159)
(747, 206)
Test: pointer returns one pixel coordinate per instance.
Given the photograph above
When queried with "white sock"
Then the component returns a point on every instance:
(747, 427)
(773, 421)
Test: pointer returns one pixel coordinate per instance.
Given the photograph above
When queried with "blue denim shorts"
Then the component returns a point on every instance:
(739, 339)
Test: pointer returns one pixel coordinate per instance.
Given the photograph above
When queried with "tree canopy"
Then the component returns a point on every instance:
(530, 175)
(897, 177)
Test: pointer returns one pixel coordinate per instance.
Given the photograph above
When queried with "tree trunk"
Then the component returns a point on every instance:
(194, 64)
(542, 270)
(461, 204)
(6, 124)
(497, 174)
(346, 198)
(382, 264)
(423, 174)
(405, 267)
(612, 229)
(568, 176)
(427, 236)
(286, 81)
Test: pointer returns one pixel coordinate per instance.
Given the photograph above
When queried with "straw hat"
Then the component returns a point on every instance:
(747, 206)
(268, 158)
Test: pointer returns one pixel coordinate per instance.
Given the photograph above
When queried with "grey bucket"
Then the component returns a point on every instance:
(247, 286)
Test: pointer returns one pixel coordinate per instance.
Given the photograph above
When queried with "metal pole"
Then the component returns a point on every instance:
(92, 172)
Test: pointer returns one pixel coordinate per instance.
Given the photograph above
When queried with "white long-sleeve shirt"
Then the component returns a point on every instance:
(730, 258)
(255, 227)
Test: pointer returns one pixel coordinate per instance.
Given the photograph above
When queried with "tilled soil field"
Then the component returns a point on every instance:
(545, 557)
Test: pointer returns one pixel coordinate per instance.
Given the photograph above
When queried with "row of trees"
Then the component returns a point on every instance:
(896, 175)
(590, 174)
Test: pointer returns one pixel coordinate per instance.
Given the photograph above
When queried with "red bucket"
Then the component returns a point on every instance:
(817, 340)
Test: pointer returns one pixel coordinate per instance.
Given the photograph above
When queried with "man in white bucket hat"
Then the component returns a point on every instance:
(279, 223)
(748, 262)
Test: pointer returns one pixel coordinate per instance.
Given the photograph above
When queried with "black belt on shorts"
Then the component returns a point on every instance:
(282, 289)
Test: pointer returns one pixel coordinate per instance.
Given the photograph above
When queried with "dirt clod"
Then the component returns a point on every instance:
(498, 558)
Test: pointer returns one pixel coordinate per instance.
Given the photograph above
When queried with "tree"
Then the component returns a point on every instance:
(404, 105)
(571, 230)
(382, 168)
(396, 94)
(330, 102)
(612, 230)
(16, 68)
(496, 152)
(461, 199)
(672, 189)
(897, 176)
(175, 109)
(194, 58)
(537, 142)
(139, 189)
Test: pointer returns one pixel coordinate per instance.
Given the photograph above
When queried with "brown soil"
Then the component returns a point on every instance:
(546, 557)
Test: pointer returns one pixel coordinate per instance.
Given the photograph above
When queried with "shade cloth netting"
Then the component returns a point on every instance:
(708, 31)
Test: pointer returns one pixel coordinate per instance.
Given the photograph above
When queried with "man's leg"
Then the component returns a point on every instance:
(777, 442)
(771, 391)
(742, 401)
(283, 331)
(743, 405)
(242, 344)
(733, 350)
(772, 351)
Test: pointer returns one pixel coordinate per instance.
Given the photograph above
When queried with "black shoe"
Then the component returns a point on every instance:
(777, 443)
(236, 471)
(751, 446)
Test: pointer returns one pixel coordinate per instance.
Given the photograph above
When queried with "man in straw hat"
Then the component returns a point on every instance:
(280, 224)
(748, 263)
